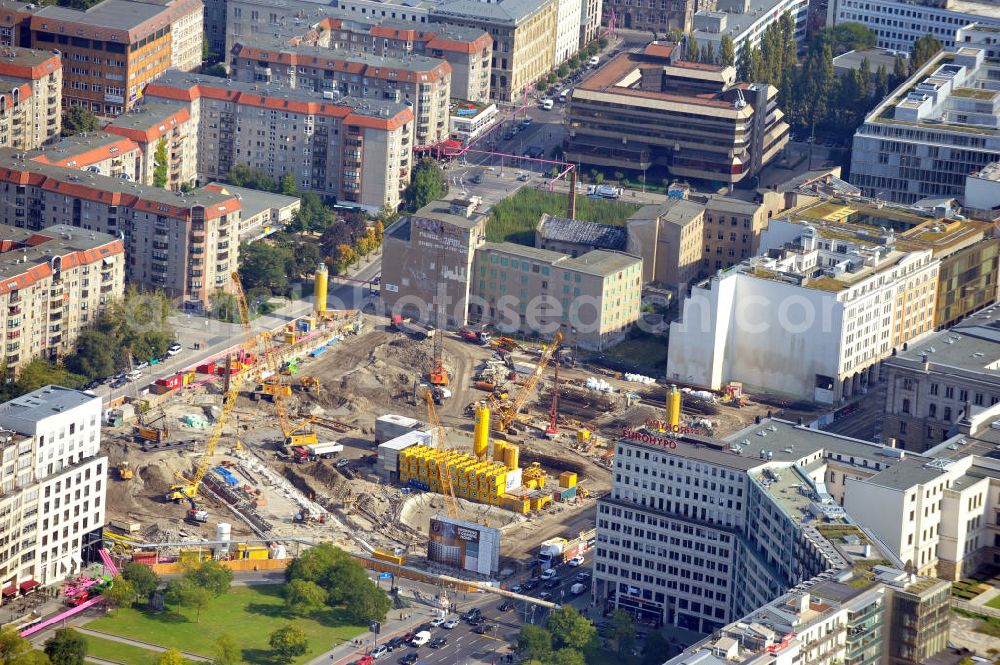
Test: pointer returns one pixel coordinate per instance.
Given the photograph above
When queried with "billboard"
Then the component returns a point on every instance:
(464, 545)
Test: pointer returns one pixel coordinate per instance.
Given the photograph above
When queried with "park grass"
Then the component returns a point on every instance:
(118, 652)
(249, 614)
(514, 219)
(994, 603)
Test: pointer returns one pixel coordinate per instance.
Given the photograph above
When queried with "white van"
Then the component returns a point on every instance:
(421, 638)
(548, 573)
(547, 105)
(577, 589)
(594, 59)
(564, 96)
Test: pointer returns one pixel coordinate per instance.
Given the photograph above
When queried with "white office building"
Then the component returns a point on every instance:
(744, 21)
(54, 482)
(568, 20)
(897, 23)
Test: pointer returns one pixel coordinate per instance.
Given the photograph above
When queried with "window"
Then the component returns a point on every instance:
(906, 406)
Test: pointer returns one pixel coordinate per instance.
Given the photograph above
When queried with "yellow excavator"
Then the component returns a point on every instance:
(125, 471)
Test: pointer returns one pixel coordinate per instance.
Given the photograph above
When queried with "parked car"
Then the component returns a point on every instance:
(478, 178)
(437, 622)
(364, 660)
(548, 573)
(576, 561)
(517, 588)
(438, 642)
(408, 659)
(530, 584)
(379, 651)
(506, 606)
(395, 643)
(552, 584)
(174, 349)
(524, 177)
(485, 628)
(545, 595)
(474, 612)
(133, 375)
(583, 577)
(449, 624)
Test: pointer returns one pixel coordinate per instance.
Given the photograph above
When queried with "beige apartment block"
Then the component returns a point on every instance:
(30, 97)
(668, 236)
(97, 152)
(150, 124)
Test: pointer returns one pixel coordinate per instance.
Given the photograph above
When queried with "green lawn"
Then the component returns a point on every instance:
(118, 652)
(994, 603)
(248, 614)
(514, 219)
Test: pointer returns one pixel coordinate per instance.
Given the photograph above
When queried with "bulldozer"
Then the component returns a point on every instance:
(125, 471)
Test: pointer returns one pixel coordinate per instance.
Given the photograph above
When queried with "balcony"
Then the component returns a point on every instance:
(13, 309)
(197, 239)
(107, 289)
(14, 334)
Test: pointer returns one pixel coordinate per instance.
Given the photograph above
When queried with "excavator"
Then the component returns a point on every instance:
(125, 471)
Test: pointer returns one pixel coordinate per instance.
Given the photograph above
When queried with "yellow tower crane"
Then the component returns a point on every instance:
(507, 412)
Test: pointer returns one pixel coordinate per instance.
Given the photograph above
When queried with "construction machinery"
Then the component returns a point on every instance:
(125, 471)
(189, 488)
(451, 504)
(507, 411)
(309, 384)
(271, 390)
(553, 429)
(152, 430)
(480, 335)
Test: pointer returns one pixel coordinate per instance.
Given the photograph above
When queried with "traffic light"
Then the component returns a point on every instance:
(375, 627)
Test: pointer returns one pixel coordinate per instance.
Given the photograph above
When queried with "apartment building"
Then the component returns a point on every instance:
(661, 17)
(593, 299)
(151, 124)
(97, 152)
(931, 132)
(186, 244)
(699, 533)
(261, 213)
(813, 317)
(427, 261)
(112, 50)
(733, 227)
(744, 22)
(899, 23)
(690, 117)
(30, 98)
(568, 22)
(422, 83)
(56, 282)
(668, 237)
(54, 483)
(354, 152)
(591, 12)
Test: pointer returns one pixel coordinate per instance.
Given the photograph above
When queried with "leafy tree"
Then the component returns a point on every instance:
(288, 643)
(264, 264)
(563, 71)
(303, 598)
(119, 594)
(93, 358)
(142, 578)
(707, 55)
(77, 119)
(900, 70)
(622, 630)
(846, 37)
(170, 657)
(40, 373)
(227, 651)
(289, 186)
(568, 656)
(160, 164)
(727, 51)
(427, 184)
(223, 307)
(66, 647)
(211, 575)
(343, 579)
(182, 592)
(243, 175)
(570, 629)
(534, 642)
(602, 42)
(924, 49)
(218, 70)
(691, 48)
(15, 650)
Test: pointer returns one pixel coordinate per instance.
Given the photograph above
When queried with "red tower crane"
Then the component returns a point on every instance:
(553, 429)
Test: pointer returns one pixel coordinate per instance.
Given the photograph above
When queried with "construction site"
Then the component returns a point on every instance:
(358, 430)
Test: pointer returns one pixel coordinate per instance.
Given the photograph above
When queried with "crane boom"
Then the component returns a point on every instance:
(508, 413)
(451, 504)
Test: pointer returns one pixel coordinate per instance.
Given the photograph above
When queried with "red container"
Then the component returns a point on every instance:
(206, 368)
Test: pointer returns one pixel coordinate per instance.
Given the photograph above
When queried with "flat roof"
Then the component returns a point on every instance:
(259, 42)
(741, 22)
(508, 11)
(972, 345)
(875, 56)
(441, 211)
(680, 212)
(21, 250)
(254, 201)
(563, 229)
(113, 14)
(600, 262)
(43, 403)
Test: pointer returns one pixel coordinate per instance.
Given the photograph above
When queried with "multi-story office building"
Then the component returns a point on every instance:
(593, 299)
(14, 20)
(56, 282)
(812, 318)
(651, 108)
(933, 385)
(668, 238)
(151, 124)
(54, 482)
(422, 83)
(744, 22)
(982, 192)
(899, 23)
(568, 21)
(591, 12)
(112, 50)
(732, 229)
(186, 244)
(352, 151)
(698, 533)
(30, 98)
(660, 17)
(931, 132)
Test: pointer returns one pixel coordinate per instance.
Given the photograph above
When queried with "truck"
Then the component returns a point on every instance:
(315, 451)
(412, 328)
(555, 551)
(604, 192)
(475, 335)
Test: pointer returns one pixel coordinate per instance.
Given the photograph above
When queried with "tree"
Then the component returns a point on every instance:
(924, 49)
(263, 264)
(727, 51)
(602, 42)
(227, 651)
(427, 184)
(570, 629)
(170, 657)
(691, 47)
(217, 70)
(534, 642)
(15, 650)
(568, 656)
(303, 598)
(846, 37)
(93, 358)
(289, 186)
(66, 647)
(707, 54)
(343, 579)
(160, 164)
(77, 119)
(119, 594)
(654, 649)
(563, 71)
(900, 70)
(243, 175)
(622, 630)
(210, 575)
(182, 592)
(40, 373)
(288, 643)
(142, 578)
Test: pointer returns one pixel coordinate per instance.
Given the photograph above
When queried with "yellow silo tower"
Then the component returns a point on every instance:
(320, 281)
(673, 407)
(481, 437)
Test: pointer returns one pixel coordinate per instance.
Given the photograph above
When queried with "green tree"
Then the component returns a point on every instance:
(182, 592)
(563, 71)
(343, 579)
(217, 70)
(227, 651)
(142, 578)
(654, 648)
(534, 642)
(170, 657)
(211, 575)
(119, 594)
(881, 83)
(140, 323)
(288, 643)
(900, 70)
(568, 656)
(602, 42)
(160, 164)
(66, 647)
(707, 54)
(264, 265)
(289, 186)
(93, 357)
(622, 631)
(691, 47)
(303, 598)
(15, 650)
(40, 373)
(77, 119)
(570, 629)
(222, 306)
(924, 49)
(427, 184)
(243, 175)
(727, 51)
(846, 37)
